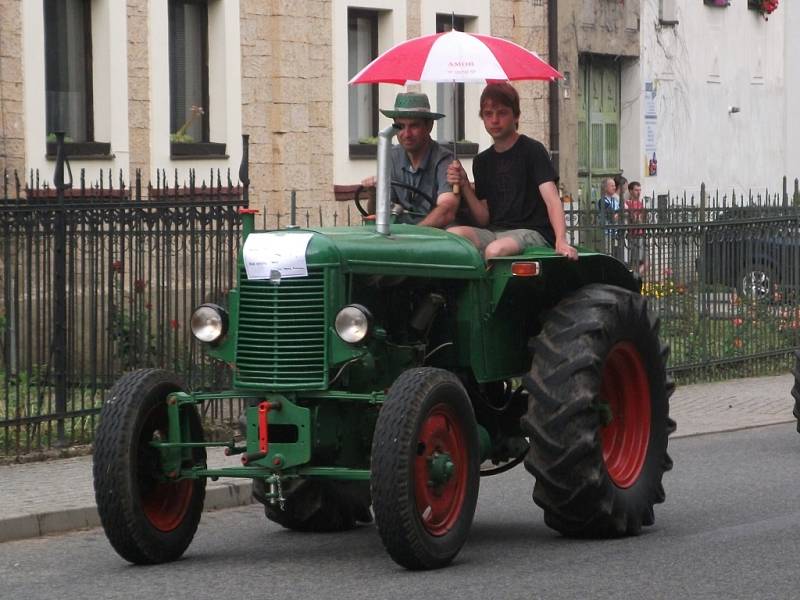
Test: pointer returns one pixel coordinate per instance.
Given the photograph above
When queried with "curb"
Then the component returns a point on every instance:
(218, 495)
(230, 494)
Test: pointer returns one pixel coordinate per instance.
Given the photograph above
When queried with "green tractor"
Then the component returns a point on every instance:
(385, 369)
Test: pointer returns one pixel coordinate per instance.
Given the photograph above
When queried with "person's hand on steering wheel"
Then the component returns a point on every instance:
(369, 183)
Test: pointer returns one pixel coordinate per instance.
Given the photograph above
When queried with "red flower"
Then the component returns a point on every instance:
(767, 7)
(116, 266)
(174, 324)
(738, 321)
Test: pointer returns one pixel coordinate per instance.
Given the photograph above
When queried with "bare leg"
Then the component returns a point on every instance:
(465, 232)
(502, 247)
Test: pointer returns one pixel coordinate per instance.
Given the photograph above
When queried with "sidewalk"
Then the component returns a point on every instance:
(56, 496)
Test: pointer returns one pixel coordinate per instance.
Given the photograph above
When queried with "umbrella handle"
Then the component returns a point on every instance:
(456, 189)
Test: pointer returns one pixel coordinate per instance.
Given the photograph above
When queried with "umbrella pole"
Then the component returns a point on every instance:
(456, 187)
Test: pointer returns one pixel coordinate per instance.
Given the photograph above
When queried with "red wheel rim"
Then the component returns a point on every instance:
(626, 389)
(439, 506)
(164, 503)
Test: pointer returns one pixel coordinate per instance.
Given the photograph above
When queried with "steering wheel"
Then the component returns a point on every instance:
(407, 186)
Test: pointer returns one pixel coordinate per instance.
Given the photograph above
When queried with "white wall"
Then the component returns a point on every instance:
(792, 167)
(715, 58)
(630, 120)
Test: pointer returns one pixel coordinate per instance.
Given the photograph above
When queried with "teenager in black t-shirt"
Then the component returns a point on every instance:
(515, 202)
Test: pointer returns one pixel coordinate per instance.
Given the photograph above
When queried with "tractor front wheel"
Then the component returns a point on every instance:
(598, 414)
(425, 468)
(148, 517)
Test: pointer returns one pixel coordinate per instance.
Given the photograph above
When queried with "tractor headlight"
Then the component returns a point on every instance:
(353, 323)
(209, 323)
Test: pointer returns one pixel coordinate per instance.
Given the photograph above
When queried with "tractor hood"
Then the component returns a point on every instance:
(409, 250)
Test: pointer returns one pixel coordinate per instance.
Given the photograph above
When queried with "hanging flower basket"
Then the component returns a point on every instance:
(765, 7)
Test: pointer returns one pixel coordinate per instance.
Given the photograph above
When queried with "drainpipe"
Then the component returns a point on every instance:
(552, 53)
(383, 208)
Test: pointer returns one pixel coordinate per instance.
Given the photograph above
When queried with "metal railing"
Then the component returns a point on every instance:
(722, 271)
(102, 278)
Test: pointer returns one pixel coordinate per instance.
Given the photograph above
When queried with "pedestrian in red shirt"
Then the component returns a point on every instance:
(635, 213)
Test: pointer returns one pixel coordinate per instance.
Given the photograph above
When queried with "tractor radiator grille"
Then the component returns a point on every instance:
(281, 338)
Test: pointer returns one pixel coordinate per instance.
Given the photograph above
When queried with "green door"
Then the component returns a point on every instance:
(598, 124)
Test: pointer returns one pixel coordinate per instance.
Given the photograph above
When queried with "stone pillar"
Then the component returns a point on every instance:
(286, 106)
(413, 19)
(139, 88)
(12, 122)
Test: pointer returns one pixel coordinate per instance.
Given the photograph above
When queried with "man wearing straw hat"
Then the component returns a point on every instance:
(421, 162)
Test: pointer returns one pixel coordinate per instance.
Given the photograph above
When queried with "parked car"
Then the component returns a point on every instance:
(755, 249)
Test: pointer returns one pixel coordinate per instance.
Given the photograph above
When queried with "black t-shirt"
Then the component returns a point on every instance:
(509, 182)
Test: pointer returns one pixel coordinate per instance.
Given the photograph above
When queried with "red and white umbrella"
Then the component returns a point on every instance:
(455, 56)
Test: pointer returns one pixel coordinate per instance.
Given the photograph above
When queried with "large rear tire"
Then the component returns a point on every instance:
(598, 415)
(318, 506)
(148, 518)
(425, 468)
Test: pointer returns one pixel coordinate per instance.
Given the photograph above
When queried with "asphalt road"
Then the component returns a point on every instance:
(730, 528)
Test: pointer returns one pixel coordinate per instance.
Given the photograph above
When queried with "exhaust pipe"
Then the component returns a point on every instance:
(383, 193)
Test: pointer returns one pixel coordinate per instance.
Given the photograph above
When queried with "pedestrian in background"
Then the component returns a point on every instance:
(608, 208)
(622, 188)
(637, 241)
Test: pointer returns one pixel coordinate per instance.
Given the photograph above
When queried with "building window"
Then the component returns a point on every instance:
(188, 71)
(362, 47)
(449, 95)
(68, 69)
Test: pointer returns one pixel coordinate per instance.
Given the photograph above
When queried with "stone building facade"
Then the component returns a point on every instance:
(277, 71)
(12, 120)
(598, 46)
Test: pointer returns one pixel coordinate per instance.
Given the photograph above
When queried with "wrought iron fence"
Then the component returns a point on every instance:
(102, 278)
(722, 270)
(99, 280)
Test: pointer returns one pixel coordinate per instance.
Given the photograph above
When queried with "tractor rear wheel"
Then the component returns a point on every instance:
(598, 414)
(147, 517)
(318, 506)
(425, 468)
(796, 388)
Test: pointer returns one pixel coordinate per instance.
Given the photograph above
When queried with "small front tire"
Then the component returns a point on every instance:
(148, 518)
(425, 468)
